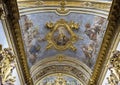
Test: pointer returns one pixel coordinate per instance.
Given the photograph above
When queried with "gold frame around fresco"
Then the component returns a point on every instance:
(68, 27)
(12, 19)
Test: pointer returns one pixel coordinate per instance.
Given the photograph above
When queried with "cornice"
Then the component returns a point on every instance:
(12, 16)
(112, 30)
(101, 5)
(99, 8)
(60, 64)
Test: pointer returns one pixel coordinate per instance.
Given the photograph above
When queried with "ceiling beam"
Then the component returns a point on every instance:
(12, 16)
(111, 32)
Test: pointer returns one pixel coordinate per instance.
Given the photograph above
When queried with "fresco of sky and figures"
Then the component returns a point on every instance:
(34, 30)
(59, 79)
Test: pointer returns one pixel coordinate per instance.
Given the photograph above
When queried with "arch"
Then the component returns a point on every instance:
(60, 64)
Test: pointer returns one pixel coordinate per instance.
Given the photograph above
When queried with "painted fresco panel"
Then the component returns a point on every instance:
(34, 31)
(59, 79)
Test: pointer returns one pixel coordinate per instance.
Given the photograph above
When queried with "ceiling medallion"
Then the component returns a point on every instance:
(61, 36)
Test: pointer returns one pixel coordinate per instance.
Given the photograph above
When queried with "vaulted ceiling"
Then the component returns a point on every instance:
(91, 21)
(65, 39)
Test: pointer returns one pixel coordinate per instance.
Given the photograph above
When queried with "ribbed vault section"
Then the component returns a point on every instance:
(62, 39)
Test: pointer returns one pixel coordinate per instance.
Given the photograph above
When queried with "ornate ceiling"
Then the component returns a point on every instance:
(61, 40)
(89, 32)
(64, 37)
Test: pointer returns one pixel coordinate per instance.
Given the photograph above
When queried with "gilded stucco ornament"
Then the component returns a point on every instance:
(61, 35)
(114, 78)
(39, 2)
(62, 9)
(60, 58)
(7, 65)
(65, 65)
(60, 80)
(62, 69)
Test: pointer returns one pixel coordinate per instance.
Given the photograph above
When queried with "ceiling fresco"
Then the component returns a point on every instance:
(74, 35)
(59, 79)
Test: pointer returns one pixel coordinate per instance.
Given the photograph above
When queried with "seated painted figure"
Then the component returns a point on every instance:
(61, 39)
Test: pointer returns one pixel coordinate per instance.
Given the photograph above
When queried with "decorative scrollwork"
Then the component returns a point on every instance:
(63, 10)
(61, 36)
(62, 69)
(114, 77)
(7, 65)
(60, 58)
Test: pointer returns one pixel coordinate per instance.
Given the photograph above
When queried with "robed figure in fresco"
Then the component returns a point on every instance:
(61, 36)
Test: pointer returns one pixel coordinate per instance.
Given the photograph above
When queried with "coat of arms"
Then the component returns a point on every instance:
(61, 35)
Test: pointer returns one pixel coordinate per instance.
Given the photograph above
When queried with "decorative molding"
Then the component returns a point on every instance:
(112, 30)
(84, 4)
(62, 9)
(12, 16)
(68, 66)
(53, 59)
(60, 69)
(11, 45)
(88, 7)
(110, 53)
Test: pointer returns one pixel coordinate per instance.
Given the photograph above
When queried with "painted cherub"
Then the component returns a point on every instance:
(61, 38)
(92, 31)
(28, 23)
